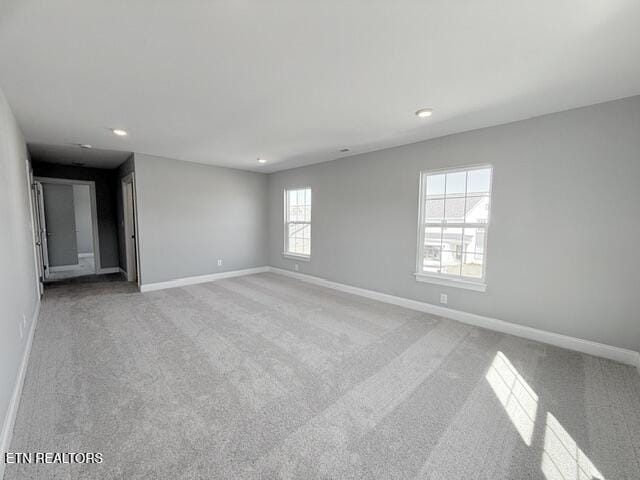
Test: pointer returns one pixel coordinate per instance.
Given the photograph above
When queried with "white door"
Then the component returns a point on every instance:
(41, 229)
(128, 202)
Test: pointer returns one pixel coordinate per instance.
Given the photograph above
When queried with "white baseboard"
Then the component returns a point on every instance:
(181, 282)
(571, 343)
(12, 411)
(109, 270)
(85, 255)
(63, 268)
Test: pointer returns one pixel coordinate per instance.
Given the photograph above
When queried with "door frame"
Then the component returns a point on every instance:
(36, 229)
(42, 232)
(126, 210)
(94, 212)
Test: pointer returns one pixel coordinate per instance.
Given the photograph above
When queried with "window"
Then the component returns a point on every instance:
(297, 222)
(453, 224)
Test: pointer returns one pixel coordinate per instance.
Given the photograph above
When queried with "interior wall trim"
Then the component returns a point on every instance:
(63, 268)
(12, 410)
(602, 350)
(106, 270)
(212, 277)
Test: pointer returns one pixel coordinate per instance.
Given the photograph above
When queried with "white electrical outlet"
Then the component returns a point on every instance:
(444, 298)
(296, 267)
(219, 262)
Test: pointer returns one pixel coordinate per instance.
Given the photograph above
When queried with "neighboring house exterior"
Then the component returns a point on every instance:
(455, 249)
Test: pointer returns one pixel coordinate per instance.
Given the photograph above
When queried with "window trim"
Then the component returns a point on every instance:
(286, 253)
(469, 283)
(297, 256)
(451, 281)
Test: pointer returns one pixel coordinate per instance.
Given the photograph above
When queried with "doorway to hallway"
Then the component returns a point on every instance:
(67, 227)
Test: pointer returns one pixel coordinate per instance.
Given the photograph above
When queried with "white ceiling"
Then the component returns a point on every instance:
(294, 81)
(73, 154)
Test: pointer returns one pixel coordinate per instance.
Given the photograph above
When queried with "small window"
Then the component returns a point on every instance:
(454, 220)
(297, 222)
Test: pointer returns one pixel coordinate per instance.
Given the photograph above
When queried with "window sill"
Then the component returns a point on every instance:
(295, 256)
(451, 282)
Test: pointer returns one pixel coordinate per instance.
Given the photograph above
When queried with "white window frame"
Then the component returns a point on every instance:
(286, 252)
(469, 283)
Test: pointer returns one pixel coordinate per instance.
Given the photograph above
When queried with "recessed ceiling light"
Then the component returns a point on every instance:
(262, 160)
(119, 132)
(424, 113)
(85, 145)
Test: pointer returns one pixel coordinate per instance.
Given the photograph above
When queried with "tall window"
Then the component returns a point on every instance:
(297, 222)
(454, 219)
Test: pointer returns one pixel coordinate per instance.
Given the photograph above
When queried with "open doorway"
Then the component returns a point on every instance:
(67, 221)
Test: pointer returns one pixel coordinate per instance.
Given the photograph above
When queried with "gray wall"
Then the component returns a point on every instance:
(82, 210)
(125, 169)
(563, 242)
(190, 215)
(18, 288)
(106, 183)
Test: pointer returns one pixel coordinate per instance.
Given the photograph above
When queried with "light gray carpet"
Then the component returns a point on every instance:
(265, 377)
